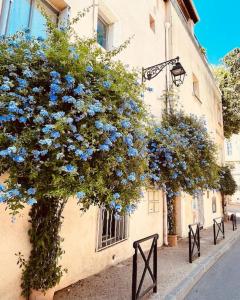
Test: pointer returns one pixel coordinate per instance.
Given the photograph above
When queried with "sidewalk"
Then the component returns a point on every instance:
(176, 276)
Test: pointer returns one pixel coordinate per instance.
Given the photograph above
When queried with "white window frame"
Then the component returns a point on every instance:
(120, 229)
(153, 201)
(109, 17)
(6, 13)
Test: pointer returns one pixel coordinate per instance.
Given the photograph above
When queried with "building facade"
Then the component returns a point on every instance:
(159, 30)
(232, 158)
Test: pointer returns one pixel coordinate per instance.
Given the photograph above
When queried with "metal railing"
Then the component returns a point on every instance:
(233, 218)
(136, 290)
(218, 226)
(194, 241)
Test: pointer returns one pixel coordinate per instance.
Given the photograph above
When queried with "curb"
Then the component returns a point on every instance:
(184, 287)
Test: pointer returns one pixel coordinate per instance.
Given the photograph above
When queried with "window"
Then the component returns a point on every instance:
(196, 87)
(229, 148)
(22, 14)
(102, 33)
(214, 204)
(111, 230)
(152, 23)
(153, 201)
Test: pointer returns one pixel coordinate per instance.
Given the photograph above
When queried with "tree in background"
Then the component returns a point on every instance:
(228, 76)
(228, 185)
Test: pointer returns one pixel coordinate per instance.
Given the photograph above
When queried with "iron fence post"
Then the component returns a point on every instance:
(190, 245)
(155, 266)
(214, 232)
(223, 228)
(198, 229)
(134, 274)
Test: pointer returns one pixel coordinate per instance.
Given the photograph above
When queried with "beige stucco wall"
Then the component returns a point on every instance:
(79, 231)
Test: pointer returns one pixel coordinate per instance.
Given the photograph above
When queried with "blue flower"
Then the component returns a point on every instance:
(124, 181)
(2, 198)
(45, 142)
(107, 84)
(69, 168)
(70, 80)
(130, 208)
(79, 90)
(27, 73)
(119, 173)
(89, 69)
(2, 188)
(99, 125)
(132, 152)
(55, 134)
(36, 90)
(80, 195)
(132, 176)
(119, 159)
(4, 87)
(79, 137)
(55, 74)
(55, 89)
(126, 123)
(22, 83)
(69, 99)
(18, 159)
(22, 120)
(13, 193)
(104, 147)
(31, 191)
(58, 115)
(31, 201)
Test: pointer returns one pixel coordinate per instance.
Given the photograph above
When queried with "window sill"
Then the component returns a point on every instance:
(108, 246)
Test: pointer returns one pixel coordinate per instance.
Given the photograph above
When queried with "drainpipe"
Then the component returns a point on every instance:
(167, 26)
(165, 216)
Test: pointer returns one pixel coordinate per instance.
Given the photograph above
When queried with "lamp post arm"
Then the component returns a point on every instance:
(151, 72)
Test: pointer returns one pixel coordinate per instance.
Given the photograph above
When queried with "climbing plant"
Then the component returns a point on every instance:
(182, 157)
(71, 124)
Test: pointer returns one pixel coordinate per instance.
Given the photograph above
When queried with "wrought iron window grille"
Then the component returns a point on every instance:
(111, 230)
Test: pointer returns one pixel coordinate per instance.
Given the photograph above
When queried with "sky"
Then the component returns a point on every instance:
(218, 30)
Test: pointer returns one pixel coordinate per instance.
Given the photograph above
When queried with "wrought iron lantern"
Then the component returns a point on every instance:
(178, 74)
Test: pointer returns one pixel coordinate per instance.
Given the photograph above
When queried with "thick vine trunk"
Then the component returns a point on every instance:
(171, 216)
(42, 271)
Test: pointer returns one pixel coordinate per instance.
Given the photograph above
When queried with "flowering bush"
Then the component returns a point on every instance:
(182, 157)
(71, 124)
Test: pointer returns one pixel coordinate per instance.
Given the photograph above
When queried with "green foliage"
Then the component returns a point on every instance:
(41, 271)
(182, 157)
(228, 76)
(72, 123)
(227, 182)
